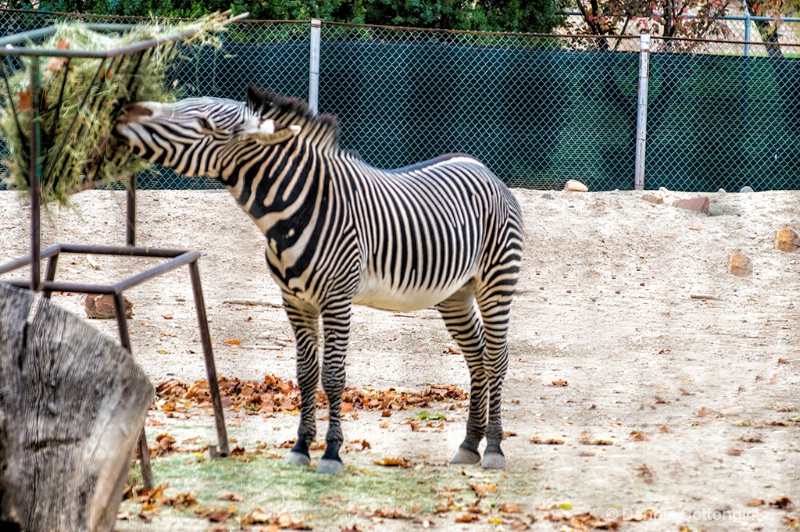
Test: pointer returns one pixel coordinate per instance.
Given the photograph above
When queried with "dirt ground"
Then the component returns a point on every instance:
(627, 330)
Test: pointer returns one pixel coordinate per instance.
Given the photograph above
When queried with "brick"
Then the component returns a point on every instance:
(698, 204)
(787, 239)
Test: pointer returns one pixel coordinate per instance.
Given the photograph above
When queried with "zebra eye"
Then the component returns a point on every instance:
(205, 124)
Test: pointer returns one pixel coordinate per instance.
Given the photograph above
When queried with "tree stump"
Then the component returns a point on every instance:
(72, 404)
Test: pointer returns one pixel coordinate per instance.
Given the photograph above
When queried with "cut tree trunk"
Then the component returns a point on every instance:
(72, 404)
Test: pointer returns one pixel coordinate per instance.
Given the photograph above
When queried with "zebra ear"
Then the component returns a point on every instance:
(259, 100)
(270, 132)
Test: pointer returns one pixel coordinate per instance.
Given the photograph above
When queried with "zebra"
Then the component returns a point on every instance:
(444, 233)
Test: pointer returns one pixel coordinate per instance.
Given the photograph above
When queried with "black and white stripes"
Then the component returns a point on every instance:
(445, 233)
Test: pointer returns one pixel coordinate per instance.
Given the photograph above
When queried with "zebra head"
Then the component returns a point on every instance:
(194, 135)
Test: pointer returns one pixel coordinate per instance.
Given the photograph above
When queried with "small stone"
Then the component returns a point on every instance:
(547, 195)
(575, 186)
(746, 190)
(663, 189)
(101, 307)
(722, 191)
(787, 239)
(652, 198)
(265, 335)
(698, 204)
(740, 264)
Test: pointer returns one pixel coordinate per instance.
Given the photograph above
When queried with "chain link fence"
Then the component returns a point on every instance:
(538, 110)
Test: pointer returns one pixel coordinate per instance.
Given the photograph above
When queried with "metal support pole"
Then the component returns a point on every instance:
(641, 110)
(746, 28)
(313, 72)
(125, 341)
(211, 369)
(35, 174)
(130, 218)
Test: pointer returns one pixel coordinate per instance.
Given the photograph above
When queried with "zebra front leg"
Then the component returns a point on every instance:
(304, 321)
(336, 327)
(464, 325)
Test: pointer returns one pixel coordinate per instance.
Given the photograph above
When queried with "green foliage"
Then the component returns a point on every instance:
(534, 16)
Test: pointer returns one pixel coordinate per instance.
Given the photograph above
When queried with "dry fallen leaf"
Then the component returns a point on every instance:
(230, 496)
(783, 502)
(756, 502)
(636, 435)
(560, 382)
(481, 490)
(233, 342)
(467, 518)
(546, 441)
(394, 462)
(510, 509)
(167, 316)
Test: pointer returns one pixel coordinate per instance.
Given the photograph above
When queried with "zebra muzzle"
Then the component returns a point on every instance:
(132, 111)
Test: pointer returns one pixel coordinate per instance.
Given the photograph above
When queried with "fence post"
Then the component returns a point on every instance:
(641, 110)
(746, 29)
(313, 71)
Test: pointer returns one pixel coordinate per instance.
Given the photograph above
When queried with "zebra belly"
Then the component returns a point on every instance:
(378, 293)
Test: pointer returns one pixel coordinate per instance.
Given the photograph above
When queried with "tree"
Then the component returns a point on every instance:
(534, 16)
(659, 17)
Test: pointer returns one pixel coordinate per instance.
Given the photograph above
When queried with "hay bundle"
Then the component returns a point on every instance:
(81, 98)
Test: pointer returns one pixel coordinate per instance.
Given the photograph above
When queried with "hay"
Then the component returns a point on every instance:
(77, 148)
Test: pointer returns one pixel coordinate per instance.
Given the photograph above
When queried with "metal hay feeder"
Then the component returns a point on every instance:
(17, 56)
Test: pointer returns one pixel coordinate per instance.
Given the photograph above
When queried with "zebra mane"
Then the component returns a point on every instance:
(294, 110)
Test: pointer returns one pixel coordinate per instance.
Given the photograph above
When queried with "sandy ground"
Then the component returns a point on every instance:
(690, 371)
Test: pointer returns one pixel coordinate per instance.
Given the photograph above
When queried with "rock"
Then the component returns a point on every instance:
(740, 264)
(101, 307)
(547, 195)
(787, 239)
(652, 198)
(746, 190)
(575, 186)
(265, 335)
(722, 191)
(698, 204)
(663, 189)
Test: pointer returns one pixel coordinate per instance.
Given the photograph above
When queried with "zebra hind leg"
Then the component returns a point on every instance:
(464, 325)
(336, 324)
(305, 327)
(495, 308)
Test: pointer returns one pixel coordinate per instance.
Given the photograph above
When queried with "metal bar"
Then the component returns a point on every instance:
(125, 341)
(7, 45)
(146, 275)
(125, 251)
(35, 175)
(13, 107)
(130, 218)
(313, 70)
(25, 36)
(80, 288)
(641, 111)
(26, 259)
(60, 98)
(208, 354)
(52, 162)
(52, 264)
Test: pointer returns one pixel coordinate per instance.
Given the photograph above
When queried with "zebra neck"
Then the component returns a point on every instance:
(279, 189)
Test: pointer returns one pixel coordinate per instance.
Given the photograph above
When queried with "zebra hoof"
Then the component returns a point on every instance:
(330, 467)
(298, 459)
(466, 456)
(493, 460)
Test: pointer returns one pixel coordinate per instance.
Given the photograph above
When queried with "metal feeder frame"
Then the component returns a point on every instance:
(14, 46)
